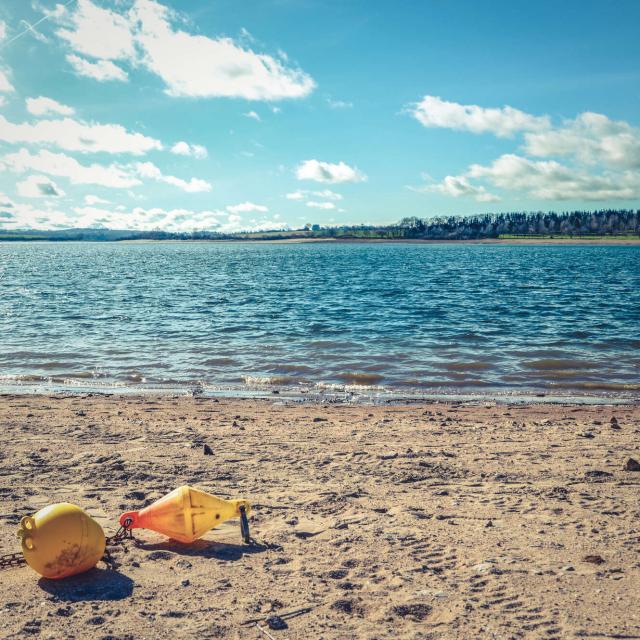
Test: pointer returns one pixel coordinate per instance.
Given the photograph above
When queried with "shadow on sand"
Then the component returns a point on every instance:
(96, 584)
(203, 549)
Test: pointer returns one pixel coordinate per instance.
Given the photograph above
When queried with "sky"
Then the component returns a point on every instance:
(223, 115)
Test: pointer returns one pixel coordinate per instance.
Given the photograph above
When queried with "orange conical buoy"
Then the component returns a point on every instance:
(186, 514)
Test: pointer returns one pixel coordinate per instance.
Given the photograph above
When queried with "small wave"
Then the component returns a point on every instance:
(361, 378)
(551, 364)
(218, 361)
(263, 381)
(467, 366)
(28, 377)
(599, 386)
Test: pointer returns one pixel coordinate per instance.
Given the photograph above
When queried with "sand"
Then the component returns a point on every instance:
(441, 520)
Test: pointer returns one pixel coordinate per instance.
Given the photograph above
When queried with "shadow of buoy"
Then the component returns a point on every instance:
(96, 584)
(201, 549)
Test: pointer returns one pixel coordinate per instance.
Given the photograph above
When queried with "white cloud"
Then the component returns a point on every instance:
(253, 115)
(102, 71)
(246, 207)
(320, 205)
(591, 138)
(61, 165)
(74, 135)
(328, 172)
(42, 106)
(98, 33)
(200, 66)
(3, 30)
(459, 186)
(194, 185)
(5, 84)
(302, 194)
(39, 187)
(183, 148)
(91, 200)
(550, 180)
(433, 111)
(602, 155)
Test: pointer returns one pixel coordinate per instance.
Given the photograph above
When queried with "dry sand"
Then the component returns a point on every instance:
(410, 521)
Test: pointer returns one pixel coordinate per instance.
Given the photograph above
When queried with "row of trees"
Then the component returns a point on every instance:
(539, 223)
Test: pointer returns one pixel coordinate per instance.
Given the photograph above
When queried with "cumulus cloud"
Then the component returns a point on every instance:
(62, 165)
(97, 32)
(328, 172)
(459, 186)
(194, 185)
(183, 148)
(320, 205)
(39, 187)
(74, 135)
(592, 138)
(433, 111)
(601, 157)
(200, 66)
(43, 106)
(550, 180)
(102, 70)
(246, 207)
(190, 65)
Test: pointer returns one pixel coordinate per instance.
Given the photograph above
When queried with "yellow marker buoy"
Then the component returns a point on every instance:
(186, 514)
(61, 540)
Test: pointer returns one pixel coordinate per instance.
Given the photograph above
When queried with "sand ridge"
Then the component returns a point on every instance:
(424, 520)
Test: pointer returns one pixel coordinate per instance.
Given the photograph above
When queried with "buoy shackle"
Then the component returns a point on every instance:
(129, 520)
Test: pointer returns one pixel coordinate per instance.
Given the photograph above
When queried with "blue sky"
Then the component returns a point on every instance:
(247, 115)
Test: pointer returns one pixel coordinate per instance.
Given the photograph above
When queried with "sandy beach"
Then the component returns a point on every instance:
(442, 520)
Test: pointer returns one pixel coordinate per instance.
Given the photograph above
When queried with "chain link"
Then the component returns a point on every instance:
(122, 534)
(11, 560)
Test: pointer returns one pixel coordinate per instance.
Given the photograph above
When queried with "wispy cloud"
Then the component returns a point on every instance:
(252, 115)
(102, 70)
(246, 207)
(43, 106)
(75, 135)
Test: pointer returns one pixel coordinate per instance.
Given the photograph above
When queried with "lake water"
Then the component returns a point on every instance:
(409, 317)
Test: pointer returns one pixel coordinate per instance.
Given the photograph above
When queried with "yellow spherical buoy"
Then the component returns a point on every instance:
(61, 540)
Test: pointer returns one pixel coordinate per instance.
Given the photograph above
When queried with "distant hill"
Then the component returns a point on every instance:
(607, 222)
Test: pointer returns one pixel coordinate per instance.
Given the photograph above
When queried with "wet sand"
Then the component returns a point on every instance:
(429, 520)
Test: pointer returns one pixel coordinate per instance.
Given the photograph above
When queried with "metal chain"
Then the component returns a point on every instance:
(122, 534)
(10, 560)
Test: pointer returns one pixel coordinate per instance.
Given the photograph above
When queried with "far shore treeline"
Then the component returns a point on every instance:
(574, 224)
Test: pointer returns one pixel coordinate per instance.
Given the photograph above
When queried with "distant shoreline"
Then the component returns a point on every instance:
(497, 241)
(482, 241)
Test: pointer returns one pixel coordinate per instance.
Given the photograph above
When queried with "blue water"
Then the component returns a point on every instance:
(420, 317)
